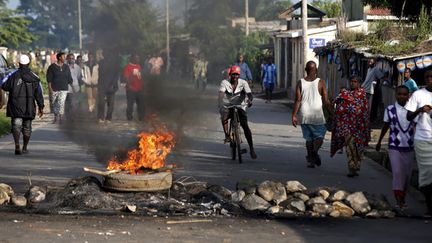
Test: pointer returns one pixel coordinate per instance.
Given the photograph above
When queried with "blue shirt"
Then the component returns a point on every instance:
(411, 85)
(269, 74)
(245, 72)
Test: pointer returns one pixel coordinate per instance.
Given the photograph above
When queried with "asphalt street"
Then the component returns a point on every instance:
(58, 153)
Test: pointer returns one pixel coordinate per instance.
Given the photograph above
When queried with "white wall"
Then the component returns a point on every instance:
(328, 33)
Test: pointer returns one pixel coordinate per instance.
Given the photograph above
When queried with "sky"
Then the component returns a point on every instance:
(13, 4)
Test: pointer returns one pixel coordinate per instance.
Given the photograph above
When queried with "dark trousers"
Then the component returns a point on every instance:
(229, 113)
(132, 98)
(200, 84)
(427, 192)
(70, 106)
(108, 98)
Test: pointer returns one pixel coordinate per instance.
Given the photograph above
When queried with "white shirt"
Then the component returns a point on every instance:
(235, 97)
(75, 71)
(90, 76)
(419, 99)
(311, 107)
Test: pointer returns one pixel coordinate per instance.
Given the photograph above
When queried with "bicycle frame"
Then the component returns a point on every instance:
(235, 134)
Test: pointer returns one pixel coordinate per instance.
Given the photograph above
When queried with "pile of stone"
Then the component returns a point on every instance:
(8, 196)
(292, 199)
(87, 195)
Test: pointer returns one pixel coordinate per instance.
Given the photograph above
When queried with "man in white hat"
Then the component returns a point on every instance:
(25, 92)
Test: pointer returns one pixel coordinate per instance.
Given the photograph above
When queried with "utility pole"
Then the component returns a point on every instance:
(79, 25)
(186, 12)
(305, 31)
(167, 2)
(247, 16)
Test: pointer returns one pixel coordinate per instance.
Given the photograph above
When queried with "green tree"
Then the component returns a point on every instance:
(55, 22)
(411, 9)
(424, 25)
(13, 28)
(221, 44)
(332, 8)
(249, 47)
(207, 27)
(129, 26)
(270, 10)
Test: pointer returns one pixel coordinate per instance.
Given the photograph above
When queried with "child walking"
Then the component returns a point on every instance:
(400, 144)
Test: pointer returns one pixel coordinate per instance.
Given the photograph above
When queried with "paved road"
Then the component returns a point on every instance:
(59, 153)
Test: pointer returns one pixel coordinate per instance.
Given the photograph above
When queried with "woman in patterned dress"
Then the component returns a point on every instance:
(351, 125)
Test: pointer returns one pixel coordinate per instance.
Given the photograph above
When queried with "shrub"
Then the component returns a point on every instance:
(4, 124)
(351, 36)
(424, 27)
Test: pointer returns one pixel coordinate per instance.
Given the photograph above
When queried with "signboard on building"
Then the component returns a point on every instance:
(316, 42)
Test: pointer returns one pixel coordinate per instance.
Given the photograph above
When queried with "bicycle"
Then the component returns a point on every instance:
(235, 136)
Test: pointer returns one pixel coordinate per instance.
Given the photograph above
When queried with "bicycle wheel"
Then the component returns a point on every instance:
(233, 146)
(237, 143)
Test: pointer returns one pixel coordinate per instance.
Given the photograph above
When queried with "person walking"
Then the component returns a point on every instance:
(245, 73)
(90, 77)
(269, 78)
(310, 96)
(351, 119)
(25, 92)
(59, 78)
(409, 82)
(400, 144)
(371, 82)
(420, 106)
(200, 73)
(132, 78)
(74, 88)
(156, 63)
(109, 75)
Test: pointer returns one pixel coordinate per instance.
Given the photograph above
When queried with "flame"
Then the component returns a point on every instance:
(153, 148)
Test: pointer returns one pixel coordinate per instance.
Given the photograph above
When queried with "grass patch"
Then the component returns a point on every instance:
(379, 45)
(4, 124)
(382, 47)
(391, 38)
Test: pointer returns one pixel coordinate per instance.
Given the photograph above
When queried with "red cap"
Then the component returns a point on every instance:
(234, 69)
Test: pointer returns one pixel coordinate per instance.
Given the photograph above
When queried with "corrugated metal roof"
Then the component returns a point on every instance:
(379, 11)
(315, 12)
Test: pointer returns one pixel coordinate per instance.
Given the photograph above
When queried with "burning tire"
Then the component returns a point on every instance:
(140, 182)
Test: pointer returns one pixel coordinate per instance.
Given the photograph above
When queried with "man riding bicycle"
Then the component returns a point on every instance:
(233, 92)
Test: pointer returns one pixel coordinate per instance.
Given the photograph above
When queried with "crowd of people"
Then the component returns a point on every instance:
(347, 116)
(409, 121)
(72, 76)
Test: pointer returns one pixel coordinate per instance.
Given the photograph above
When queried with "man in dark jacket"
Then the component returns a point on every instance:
(25, 91)
(109, 75)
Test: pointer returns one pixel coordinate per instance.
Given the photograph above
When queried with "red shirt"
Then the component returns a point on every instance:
(132, 73)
